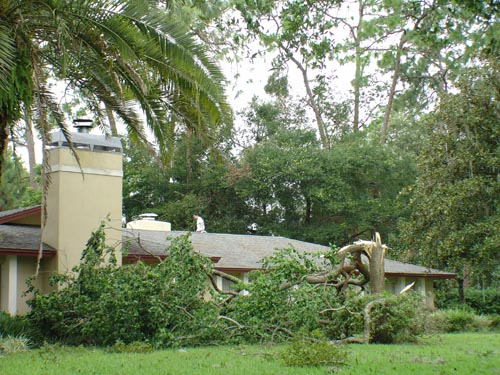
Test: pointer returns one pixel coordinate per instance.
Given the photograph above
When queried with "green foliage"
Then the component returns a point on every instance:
(393, 318)
(456, 198)
(197, 181)
(453, 320)
(282, 303)
(15, 326)
(482, 301)
(396, 319)
(313, 351)
(279, 302)
(14, 189)
(132, 347)
(157, 64)
(324, 196)
(102, 303)
(462, 319)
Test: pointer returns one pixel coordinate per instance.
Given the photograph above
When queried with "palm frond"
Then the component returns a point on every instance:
(7, 57)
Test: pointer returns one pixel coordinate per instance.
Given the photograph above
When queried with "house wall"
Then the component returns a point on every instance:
(423, 286)
(14, 271)
(79, 198)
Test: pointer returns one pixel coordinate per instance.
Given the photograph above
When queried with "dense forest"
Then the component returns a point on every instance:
(410, 150)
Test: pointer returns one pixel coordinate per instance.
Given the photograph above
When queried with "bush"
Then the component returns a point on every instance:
(393, 318)
(13, 325)
(462, 320)
(12, 344)
(397, 318)
(482, 301)
(313, 351)
(485, 301)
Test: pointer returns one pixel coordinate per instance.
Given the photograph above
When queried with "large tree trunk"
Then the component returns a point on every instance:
(392, 91)
(377, 277)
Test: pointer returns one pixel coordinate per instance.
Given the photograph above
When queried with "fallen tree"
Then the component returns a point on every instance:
(168, 304)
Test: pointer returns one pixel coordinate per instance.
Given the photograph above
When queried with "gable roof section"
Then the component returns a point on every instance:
(25, 216)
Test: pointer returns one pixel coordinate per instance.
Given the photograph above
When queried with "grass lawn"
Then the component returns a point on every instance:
(442, 354)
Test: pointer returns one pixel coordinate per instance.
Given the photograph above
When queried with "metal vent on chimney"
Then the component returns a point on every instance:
(82, 125)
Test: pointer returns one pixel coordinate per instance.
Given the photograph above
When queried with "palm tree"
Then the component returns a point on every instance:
(127, 56)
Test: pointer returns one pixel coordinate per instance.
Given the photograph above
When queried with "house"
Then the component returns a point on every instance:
(86, 190)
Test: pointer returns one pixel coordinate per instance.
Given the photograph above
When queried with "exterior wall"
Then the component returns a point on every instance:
(8, 284)
(423, 286)
(78, 202)
(26, 267)
(14, 271)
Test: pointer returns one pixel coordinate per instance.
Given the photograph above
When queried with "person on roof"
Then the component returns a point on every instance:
(200, 223)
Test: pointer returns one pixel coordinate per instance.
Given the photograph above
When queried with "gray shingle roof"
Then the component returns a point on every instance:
(236, 251)
(244, 252)
(21, 238)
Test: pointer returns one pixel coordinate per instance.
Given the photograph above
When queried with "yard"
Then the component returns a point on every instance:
(467, 353)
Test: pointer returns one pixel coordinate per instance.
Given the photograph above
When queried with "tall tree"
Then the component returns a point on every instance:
(122, 53)
(455, 202)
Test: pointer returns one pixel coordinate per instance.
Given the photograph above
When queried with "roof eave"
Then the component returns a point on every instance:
(27, 252)
(422, 275)
(21, 215)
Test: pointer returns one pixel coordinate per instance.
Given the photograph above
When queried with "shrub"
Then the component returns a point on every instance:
(397, 318)
(393, 318)
(13, 325)
(453, 320)
(482, 301)
(12, 344)
(313, 351)
(485, 301)
(462, 320)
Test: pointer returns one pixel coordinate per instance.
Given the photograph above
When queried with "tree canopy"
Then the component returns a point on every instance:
(455, 200)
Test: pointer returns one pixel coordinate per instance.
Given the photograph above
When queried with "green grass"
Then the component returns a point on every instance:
(443, 354)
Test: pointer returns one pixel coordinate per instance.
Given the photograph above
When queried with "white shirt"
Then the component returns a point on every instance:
(200, 224)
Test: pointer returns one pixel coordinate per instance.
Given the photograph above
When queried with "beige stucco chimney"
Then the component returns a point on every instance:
(82, 195)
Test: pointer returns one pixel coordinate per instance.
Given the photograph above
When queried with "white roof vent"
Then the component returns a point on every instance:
(148, 216)
(147, 221)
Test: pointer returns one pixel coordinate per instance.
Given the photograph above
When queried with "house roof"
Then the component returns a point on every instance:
(239, 252)
(23, 240)
(231, 252)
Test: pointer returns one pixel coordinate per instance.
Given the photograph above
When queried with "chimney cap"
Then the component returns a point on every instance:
(93, 142)
(83, 125)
